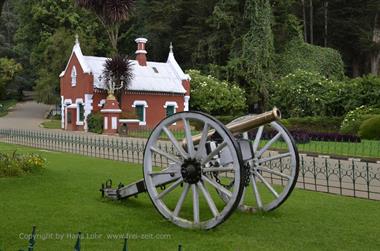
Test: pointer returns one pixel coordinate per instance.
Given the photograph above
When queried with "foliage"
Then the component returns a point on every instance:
(5, 105)
(355, 118)
(8, 70)
(313, 124)
(19, 164)
(370, 128)
(117, 73)
(213, 96)
(300, 55)
(364, 91)
(301, 94)
(95, 122)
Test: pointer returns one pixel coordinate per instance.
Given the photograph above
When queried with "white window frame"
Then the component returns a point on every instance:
(143, 103)
(74, 76)
(77, 102)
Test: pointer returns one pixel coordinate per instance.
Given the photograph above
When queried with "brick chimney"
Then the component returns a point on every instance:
(141, 52)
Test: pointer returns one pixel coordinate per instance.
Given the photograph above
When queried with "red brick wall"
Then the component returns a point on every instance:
(84, 82)
(155, 111)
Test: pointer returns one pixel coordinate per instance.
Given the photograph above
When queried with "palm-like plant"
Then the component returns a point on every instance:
(111, 14)
(117, 74)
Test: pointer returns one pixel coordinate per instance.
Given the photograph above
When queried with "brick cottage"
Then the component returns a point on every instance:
(158, 89)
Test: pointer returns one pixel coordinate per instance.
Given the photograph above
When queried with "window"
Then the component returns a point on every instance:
(170, 110)
(140, 112)
(140, 109)
(81, 112)
(74, 76)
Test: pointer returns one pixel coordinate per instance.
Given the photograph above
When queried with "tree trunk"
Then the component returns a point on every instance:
(375, 55)
(326, 6)
(304, 21)
(311, 23)
(355, 68)
(1, 6)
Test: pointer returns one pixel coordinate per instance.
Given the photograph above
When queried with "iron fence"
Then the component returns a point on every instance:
(350, 177)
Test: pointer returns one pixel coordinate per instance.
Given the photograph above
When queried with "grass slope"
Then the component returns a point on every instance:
(51, 124)
(65, 199)
(5, 105)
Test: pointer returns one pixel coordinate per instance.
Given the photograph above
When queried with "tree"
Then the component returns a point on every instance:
(1, 6)
(117, 75)
(9, 68)
(111, 14)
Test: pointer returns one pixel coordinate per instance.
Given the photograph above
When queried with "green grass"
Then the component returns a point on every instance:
(5, 105)
(52, 124)
(366, 148)
(65, 199)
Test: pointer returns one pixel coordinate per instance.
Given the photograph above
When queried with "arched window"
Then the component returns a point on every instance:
(74, 76)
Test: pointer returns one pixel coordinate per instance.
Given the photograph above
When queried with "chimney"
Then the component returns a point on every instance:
(141, 52)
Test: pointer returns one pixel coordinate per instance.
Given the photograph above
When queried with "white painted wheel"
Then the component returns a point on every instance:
(272, 172)
(190, 198)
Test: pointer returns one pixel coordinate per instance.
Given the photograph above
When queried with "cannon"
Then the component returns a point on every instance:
(199, 173)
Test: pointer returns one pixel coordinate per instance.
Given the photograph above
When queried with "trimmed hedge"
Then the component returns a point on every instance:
(370, 128)
(313, 124)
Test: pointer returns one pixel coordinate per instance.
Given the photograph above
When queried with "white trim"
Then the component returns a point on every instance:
(72, 106)
(74, 76)
(79, 100)
(63, 112)
(140, 102)
(141, 52)
(111, 111)
(186, 103)
(102, 102)
(171, 103)
(67, 101)
(129, 121)
(114, 123)
(87, 109)
(105, 123)
(141, 40)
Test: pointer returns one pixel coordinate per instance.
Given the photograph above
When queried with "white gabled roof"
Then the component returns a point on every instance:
(155, 77)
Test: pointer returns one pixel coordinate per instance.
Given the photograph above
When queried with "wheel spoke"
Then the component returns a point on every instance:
(268, 144)
(218, 169)
(195, 204)
(175, 142)
(271, 189)
(208, 198)
(214, 152)
(181, 199)
(163, 173)
(256, 192)
(202, 143)
(167, 155)
(217, 186)
(169, 189)
(274, 172)
(257, 138)
(280, 156)
(189, 139)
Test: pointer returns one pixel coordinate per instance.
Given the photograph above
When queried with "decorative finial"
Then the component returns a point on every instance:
(171, 47)
(76, 39)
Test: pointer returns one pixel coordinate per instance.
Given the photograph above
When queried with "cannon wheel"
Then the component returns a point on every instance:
(192, 162)
(270, 171)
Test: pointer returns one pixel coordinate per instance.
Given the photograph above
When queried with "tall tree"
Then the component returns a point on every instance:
(111, 14)
(1, 6)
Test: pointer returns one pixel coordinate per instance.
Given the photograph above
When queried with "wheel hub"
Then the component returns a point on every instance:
(191, 171)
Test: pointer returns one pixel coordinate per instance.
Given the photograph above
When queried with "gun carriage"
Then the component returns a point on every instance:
(203, 177)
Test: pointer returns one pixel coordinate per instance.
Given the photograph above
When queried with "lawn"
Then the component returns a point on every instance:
(65, 199)
(5, 105)
(52, 124)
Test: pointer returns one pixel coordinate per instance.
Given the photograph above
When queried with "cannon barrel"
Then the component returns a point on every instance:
(246, 123)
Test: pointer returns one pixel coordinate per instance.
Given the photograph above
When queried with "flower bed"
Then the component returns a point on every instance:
(20, 164)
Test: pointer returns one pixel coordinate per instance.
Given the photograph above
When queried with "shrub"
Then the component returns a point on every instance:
(370, 128)
(301, 94)
(300, 55)
(313, 124)
(95, 122)
(213, 96)
(354, 118)
(19, 164)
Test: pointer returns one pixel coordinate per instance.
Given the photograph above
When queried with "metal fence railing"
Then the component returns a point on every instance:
(351, 177)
